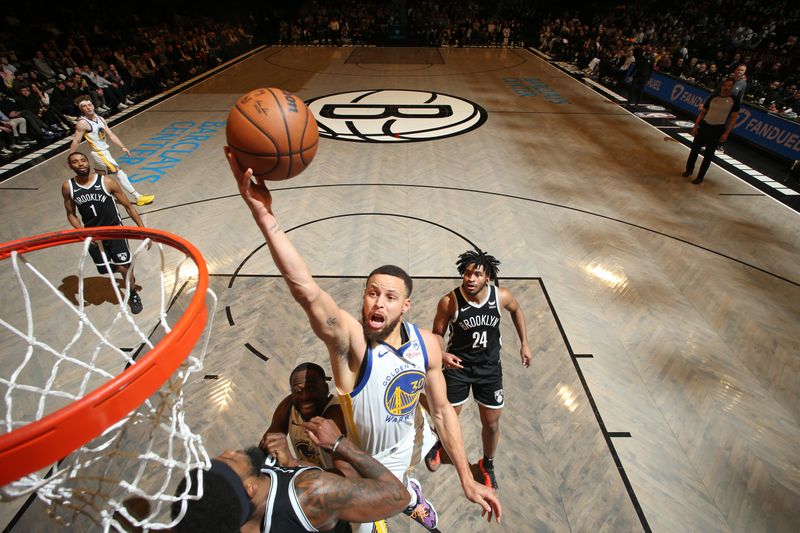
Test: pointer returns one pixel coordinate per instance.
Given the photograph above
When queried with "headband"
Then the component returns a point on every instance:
(232, 478)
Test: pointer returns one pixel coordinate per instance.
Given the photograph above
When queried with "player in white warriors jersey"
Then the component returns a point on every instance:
(97, 133)
(380, 363)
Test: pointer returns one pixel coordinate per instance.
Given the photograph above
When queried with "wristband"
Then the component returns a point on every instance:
(336, 444)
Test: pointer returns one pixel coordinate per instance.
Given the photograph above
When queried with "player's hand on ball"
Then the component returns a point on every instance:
(257, 196)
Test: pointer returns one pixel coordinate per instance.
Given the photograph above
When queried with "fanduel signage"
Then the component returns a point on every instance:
(776, 134)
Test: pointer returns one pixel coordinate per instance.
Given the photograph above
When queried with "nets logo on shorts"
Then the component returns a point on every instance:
(394, 115)
(402, 393)
(498, 396)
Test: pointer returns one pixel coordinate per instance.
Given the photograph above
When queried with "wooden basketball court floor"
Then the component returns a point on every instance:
(663, 316)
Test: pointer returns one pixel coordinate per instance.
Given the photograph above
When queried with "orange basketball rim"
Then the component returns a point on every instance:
(56, 435)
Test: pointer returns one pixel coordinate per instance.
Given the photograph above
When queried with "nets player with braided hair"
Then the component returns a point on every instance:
(487, 263)
(471, 313)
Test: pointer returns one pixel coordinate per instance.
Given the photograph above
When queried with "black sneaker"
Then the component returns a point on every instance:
(697, 181)
(135, 303)
(488, 475)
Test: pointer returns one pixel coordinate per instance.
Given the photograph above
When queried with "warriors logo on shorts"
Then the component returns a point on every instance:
(402, 393)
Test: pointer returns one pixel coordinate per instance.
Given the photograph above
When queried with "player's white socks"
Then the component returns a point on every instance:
(413, 494)
(126, 184)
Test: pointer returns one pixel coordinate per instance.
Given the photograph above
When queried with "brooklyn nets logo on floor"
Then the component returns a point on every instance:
(394, 115)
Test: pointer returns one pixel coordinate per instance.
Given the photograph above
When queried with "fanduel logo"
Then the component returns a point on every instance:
(744, 116)
(676, 91)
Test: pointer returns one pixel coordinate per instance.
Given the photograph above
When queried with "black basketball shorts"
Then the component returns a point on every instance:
(486, 382)
(116, 250)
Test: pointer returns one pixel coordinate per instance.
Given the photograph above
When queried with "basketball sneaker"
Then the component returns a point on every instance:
(381, 526)
(487, 471)
(422, 512)
(145, 199)
(434, 457)
(135, 302)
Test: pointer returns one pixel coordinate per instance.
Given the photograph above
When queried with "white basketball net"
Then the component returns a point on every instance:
(144, 455)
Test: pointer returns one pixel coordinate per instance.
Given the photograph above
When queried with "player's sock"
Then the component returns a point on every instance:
(486, 466)
(126, 184)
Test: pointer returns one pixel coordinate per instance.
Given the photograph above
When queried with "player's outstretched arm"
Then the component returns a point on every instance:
(449, 430)
(327, 498)
(330, 323)
(116, 140)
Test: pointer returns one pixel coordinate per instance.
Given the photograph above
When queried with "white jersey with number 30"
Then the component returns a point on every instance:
(381, 412)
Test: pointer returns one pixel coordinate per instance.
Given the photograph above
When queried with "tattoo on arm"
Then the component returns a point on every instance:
(331, 321)
(326, 497)
(275, 228)
(362, 461)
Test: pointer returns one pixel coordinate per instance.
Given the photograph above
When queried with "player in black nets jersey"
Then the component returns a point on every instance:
(95, 198)
(243, 493)
(471, 313)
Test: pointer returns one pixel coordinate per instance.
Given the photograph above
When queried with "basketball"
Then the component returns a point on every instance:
(273, 132)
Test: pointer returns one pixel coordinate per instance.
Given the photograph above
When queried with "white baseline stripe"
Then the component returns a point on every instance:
(600, 87)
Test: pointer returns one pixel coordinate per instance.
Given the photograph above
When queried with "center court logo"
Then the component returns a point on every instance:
(394, 115)
(402, 393)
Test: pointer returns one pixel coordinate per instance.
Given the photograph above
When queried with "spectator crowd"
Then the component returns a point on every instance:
(702, 42)
(47, 59)
(419, 22)
(115, 64)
